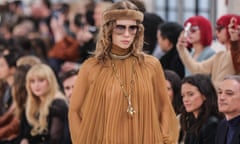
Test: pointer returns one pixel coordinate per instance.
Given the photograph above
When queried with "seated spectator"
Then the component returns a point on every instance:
(47, 103)
(228, 103)
(68, 80)
(173, 86)
(199, 118)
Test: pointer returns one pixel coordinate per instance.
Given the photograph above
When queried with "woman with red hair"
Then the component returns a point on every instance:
(199, 38)
(219, 65)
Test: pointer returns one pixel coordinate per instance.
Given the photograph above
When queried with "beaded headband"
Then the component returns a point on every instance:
(122, 14)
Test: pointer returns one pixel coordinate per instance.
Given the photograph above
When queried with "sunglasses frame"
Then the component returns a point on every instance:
(121, 29)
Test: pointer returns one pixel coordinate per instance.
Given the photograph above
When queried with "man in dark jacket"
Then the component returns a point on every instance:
(228, 103)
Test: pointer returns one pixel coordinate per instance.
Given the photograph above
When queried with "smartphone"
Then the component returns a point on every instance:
(187, 29)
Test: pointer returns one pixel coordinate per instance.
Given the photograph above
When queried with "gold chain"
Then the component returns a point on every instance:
(130, 110)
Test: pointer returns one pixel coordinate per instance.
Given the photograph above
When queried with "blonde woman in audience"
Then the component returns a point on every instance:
(46, 108)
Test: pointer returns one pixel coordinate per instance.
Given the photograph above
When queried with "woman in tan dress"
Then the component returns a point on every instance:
(120, 95)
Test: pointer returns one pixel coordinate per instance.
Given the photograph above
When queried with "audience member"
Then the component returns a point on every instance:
(199, 118)
(167, 35)
(199, 38)
(173, 86)
(218, 65)
(228, 103)
(46, 108)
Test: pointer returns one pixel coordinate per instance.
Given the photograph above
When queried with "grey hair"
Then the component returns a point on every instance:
(232, 77)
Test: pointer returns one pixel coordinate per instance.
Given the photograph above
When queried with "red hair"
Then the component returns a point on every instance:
(225, 20)
(204, 27)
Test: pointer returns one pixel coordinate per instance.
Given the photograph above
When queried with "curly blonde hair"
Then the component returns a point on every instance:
(104, 42)
(37, 110)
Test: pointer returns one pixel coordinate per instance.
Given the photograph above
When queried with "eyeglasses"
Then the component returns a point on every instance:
(219, 28)
(193, 29)
(120, 29)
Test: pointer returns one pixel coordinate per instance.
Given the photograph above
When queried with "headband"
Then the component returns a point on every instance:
(122, 14)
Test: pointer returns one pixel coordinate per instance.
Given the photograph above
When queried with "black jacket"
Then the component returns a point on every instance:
(222, 133)
(172, 61)
(206, 134)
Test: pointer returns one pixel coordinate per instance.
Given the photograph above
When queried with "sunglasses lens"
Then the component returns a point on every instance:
(219, 28)
(133, 29)
(120, 29)
(194, 29)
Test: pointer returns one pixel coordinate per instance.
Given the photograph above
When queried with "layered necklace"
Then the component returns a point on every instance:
(128, 95)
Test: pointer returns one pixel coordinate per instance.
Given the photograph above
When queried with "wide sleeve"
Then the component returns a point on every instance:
(194, 66)
(167, 117)
(79, 92)
(235, 52)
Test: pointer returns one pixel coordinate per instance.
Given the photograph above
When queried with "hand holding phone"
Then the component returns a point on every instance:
(234, 21)
(187, 29)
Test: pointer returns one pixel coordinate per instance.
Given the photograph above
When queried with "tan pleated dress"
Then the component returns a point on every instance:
(98, 107)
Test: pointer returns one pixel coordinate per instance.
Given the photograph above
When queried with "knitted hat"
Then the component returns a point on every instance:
(205, 28)
(118, 14)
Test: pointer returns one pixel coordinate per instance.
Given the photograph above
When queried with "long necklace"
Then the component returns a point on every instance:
(130, 110)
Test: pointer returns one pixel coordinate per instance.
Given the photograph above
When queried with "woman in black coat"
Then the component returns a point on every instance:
(199, 118)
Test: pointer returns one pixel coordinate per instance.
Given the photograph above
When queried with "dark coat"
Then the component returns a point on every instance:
(172, 61)
(206, 134)
(222, 132)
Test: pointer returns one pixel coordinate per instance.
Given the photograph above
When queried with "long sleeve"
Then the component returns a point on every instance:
(58, 120)
(194, 66)
(167, 117)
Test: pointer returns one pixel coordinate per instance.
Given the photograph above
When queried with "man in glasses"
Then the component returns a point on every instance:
(120, 94)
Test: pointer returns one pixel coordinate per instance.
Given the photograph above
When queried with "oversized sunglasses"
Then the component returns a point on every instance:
(193, 29)
(219, 28)
(121, 29)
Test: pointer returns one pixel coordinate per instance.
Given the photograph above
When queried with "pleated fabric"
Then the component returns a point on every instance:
(98, 108)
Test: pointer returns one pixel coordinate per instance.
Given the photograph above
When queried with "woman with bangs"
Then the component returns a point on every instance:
(46, 108)
(200, 38)
(120, 95)
(220, 64)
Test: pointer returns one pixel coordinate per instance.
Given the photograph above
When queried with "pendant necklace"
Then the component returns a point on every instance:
(130, 110)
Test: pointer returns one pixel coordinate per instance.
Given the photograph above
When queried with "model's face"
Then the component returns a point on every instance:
(68, 85)
(4, 69)
(194, 35)
(229, 98)
(192, 98)
(39, 86)
(124, 33)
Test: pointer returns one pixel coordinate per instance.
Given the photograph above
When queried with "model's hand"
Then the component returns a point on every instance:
(182, 41)
(234, 29)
